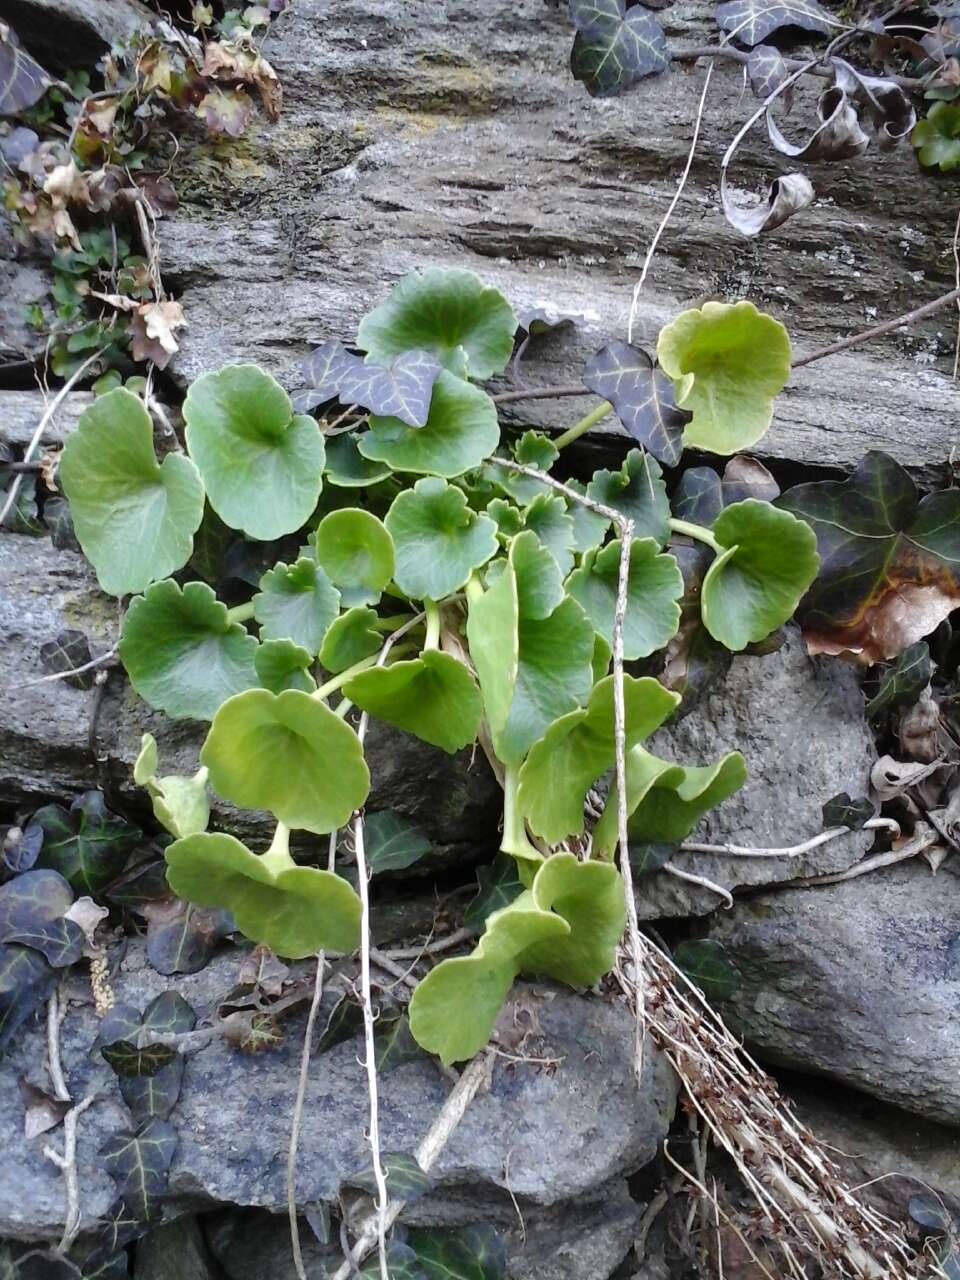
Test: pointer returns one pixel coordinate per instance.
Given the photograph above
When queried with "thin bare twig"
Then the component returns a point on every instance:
(702, 881)
(790, 850)
(878, 330)
(92, 665)
(67, 1164)
(54, 1064)
(956, 266)
(541, 393)
(431, 948)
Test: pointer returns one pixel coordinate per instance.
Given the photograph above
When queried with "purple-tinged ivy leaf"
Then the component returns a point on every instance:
(22, 81)
(753, 20)
(614, 47)
(20, 848)
(139, 1163)
(182, 937)
(642, 396)
(323, 369)
(60, 942)
(403, 390)
(66, 652)
(25, 982)
(17, 145)
(767, 70)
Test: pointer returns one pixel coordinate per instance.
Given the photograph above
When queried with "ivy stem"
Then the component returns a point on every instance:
(696, 531)
(584, 425)
(432, 637)
(240, 612)
(277, 858)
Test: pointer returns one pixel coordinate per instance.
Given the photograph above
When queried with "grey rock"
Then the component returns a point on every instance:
(234, 1113)
(21, 411)
(454, 135)
(23, 282)
(174, 1251)
(859, 981)
(800, 725)
(75, 31)
(44, 728)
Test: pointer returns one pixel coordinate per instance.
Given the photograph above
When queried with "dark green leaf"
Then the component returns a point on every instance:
(118, 1227)
(87, 844)
(842, 811)
(751, 21)
(153, 1095)
(25, 982)
(614, 46)
(903, 682)
(470, 1253)
(937, 138)
(708, 967)
(402, 1264)
(642, 397)
(69, 650)
(699, 496)
(405, 1179)
(393, 1042)
(345, 1022)
(182, 937)
(33, 899)
(499, 883)
(60, 942)
(127, 1059)
(647, 858)
(101, 1265)
(139, 1163)
(347, 468)
(393, 842)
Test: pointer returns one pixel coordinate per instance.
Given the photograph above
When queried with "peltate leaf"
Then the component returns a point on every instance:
(393, 842)
(615, 46)
(451, 314)
(350, 639)
(87, 844)
(903, 681)
(287, 753)
(356, 552)
(578, 749)
(709, 967)
(296, 602)
(937, 138)
(638, 492)
(434, 697)
(182, 653)
(739, 358)
(548, 518)
(461, 430)
(347, 468)
(139, 1162)
(764, 567)
(281, 664)
(469, 1253)
(654, 586)
(752, 21)
(134, 517)
(566, 926)
(642, 397)
(889, 562)
(439, 541)
(261, 464)
(295, 911)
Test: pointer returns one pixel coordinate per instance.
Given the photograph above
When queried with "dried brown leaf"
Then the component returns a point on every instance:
(41, 1111)
(787, 196)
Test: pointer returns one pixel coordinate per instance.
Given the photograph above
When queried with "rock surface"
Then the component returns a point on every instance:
(72, 32)
(859, 981)
(800, 725)
(234, 1113)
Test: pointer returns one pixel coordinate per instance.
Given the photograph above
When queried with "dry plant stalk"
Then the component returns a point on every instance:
(807, 1208)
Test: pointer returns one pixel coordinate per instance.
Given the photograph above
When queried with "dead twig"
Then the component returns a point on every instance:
(67, 1164)
(878, 330)
(790, 850)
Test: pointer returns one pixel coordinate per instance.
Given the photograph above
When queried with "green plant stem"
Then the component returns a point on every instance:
(240, 612)
(583, 426)
(515, 840)
(343, 707)
(696, 531)
(336, 682)
(432, 637)
(473, 590)
(393, 623)
(277, 858)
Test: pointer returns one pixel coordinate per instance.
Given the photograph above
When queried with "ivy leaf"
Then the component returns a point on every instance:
(614, 46)
(182, 653)
(349, 640)
(434, 697)
(439, 541)
(642, 396)
(405, 1179)
(402, 390)
(889, 562)
(393, 842)
(567, 926)
(345, 466)
(275, 751)
(665, 801)
(638, 492)
(937, 138)
(762, 570)
(23, 82)
(499, 884)
(393, 1042)
(261, 465)
(33, 899)
(345, 1022)
(709, 967)
(296, 602)
(402, 1264)
(181, 938)
(134, 517)
(548, 518)
(752, 21)
(739, 358)
(139, 1162)
(449, 313)
(356, 551)
(66, 652)
(128, 1040)
(767, 70)
(127, 1059)
(468, 1253)
(280, 665)
(60, 942)
(654, 586)
(903, 682)
(295, 911)
(156, 1095)
(842, 811)
(20, 848)
(26, 981)
(462, 429)
(87, 844)
(578, 749)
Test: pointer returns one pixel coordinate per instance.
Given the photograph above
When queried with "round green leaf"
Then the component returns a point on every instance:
(739, 359)
(346, 468)
(134, 517)
(349, 640)
(461, 430)
(578, 749)
(638, 492)
(281, 664)
(468, 326)
(755, 584)
(261, 464)
(937, 138)
(295, 911)
(434, 697)
(355, 549)
(438, 539)
(182, 653)
(548, 518)
(296, 602)
(654, 586)
(287, 753)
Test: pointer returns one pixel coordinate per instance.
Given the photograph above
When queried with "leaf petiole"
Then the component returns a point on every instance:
(515, 840)
(240, 612)
(695, 531)
(277, 858)
(584, 425)
(432, 637)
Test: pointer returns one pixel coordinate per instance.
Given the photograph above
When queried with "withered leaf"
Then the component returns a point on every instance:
(233, 61)
(837, 137)
(251, 1031)
(226, 111)
(642, 396)
(151, 330)
(22, 80)
(261, 969)
(890, 562)
(41, 1112)
(787, 195)
(886, 106)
